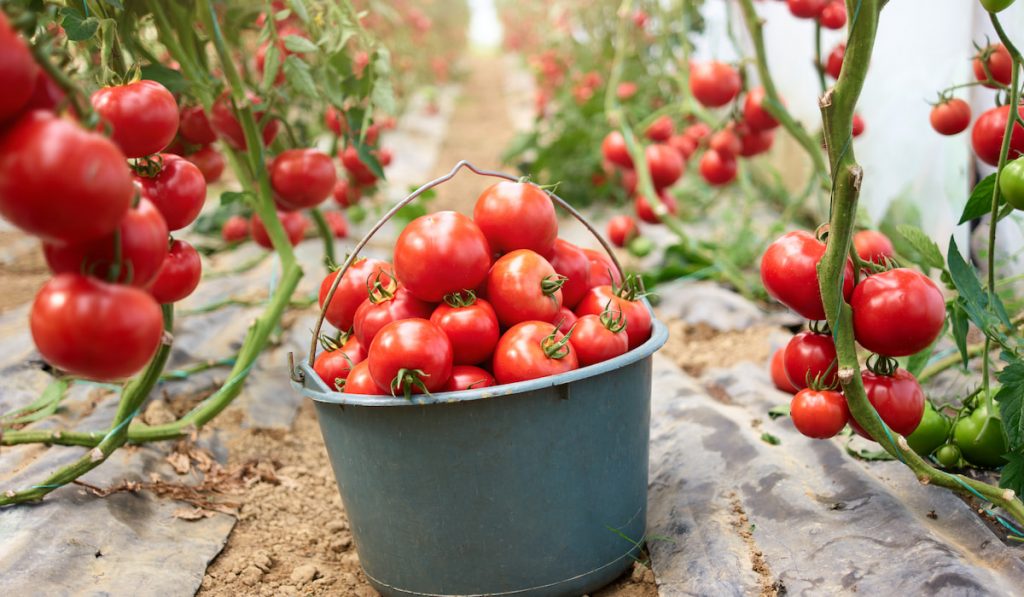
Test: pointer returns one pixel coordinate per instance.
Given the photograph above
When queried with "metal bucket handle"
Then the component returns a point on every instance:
(437, 181)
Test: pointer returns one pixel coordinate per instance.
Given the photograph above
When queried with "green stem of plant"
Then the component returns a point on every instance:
(324, 229)
(819, 67)
(949, 362)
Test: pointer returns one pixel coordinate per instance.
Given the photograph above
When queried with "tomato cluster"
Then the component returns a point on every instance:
(474, 302)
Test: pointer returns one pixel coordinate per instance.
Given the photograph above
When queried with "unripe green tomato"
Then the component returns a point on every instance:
(996, 5)
(980, 439)
(356, 213)
(641, 246)
(931, 432)
(1011, 183)
(948, 455)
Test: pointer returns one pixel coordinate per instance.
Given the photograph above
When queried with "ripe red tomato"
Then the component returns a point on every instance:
(872, 245)
(441, 253)
(295, 225)
(726, 143)
(345, 193)
(410, 356)
(235, 229)
(337, 223)
(384, 156)
(714, 83)
(60, 182)
(335, 120)
(143, 239)
(645, 211)
(384, 307)
(359, 171)
(999, 63)
(522, 286)
(834, 62)
(820, 414)
(626, 90)
(686, 146)
(351, 291)
(597, 338)
(717, 168)
(47, 95)
(898, 399)
(622, 229)
(565, 320)
(18, 71)
(602, 269)
(195, 127)
(359, 381)
(143, 116)
(755, 142)
(93, 329)
(665, 164)
(613, 147)
(754, 113)
(531, 350)
(951, 116)
(178, 191)
(472, 327)
(778, 372)
(223, 120)
(628, 179)
(468, 377)
(334, 367)
(301, 178)
(806, 9)
(897, 313)
(516, 215)
(179, 275)
(661, 129)
(638, 316)
(209, 161)
(697, 131)
(570, 261)
(833, 16)
(789, 273)
(857, 127)
(987, 135)
(811, 357)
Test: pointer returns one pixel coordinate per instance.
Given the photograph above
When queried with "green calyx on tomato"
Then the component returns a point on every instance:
(980, 438)
(613, 319)
(931, 432)
(552, 284)
(1011, 183)
(555, 347)
(996, 5)
(460, 299)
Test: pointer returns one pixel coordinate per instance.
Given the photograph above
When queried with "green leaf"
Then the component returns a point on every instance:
(770, 439)
(959, 326)
(229, 197)
(115, 3)
(1011, 403)
(781, 410)
(928, 252)
(271, 66)
(1012, 474)
(173, 80)
(980, 202)
(369, 159)
(297, 43)
(76, 26)
(300, 10)
(974, 299)
(299, 77)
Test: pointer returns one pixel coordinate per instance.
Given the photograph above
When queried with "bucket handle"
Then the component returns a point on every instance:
(412, 196)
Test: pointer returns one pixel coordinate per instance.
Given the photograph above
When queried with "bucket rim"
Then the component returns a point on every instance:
(314, 388)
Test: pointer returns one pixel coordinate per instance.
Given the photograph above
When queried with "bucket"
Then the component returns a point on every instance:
(528, 489)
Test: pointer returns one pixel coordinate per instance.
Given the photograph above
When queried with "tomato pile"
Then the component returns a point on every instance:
(475, 302)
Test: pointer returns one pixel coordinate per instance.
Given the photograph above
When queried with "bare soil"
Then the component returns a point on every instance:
(22, 269)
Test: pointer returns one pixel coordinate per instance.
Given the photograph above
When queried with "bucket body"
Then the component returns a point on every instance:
(534, 488)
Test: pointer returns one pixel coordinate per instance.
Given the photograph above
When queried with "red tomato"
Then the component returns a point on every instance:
(834, 62)
(18, 71)
(209, 161)
(178, 191)
(570, 261)
(622, 229)
(522, 286)
(697, 131)
(384, 307)
(472, 327)
(334, 367)
(302, 178)
(858, 126)
(441, 253)
(60, 182)
(951, 116)
(565, 320)
(613, 147)
(789, 273)
(872, 245)
(645, 211)
(355, 350)
(410, 356)
(359, 381)
(820, 414)
(295, 225)
(755, 142)
(195, 127)
(345, 193)
(359, 171)
(778, 371)
(661, 129)
(628, 179)
(987, 135)
(897, 313)
(685, 145)
(47, 95)
(625, 90)
(335, 120)
(898, 399)
(602, 269)
(833, 16)
(468, 377)
(95, 330)
(516, 215)
(726, 143)
(806, 9)
(665, 164)
(179, 275)
(384, 156)
(235, 229)
(717, 168)
(999, 63)
(754, 112)
(597, 338)
(811, 357)
(143, 116)
(531, 350)
(351, 291)
(223, 120)
(714, 83)
(337, 223)
(143, 239)
(638, 316)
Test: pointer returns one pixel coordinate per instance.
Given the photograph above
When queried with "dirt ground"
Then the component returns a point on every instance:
(22, 269)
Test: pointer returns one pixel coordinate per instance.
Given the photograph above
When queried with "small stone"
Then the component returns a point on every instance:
(366, 591)
(347, 579)
(158, 413)
(250, 576)
(638, 573)
(304, 574)
(337, 526)
(350, 558)
(262, 561)
(648, 575)
(340, 544)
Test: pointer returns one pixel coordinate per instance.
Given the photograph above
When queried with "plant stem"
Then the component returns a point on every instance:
(324, 229)
(948, 362)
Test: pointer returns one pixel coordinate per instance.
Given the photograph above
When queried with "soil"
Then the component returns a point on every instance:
(22, 269)
(696, 348)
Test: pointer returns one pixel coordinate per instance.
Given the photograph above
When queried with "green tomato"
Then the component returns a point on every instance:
(980, 439)
(948, 455)
(931, 432)
(1011, 183)
(641, 246)
(996, 5)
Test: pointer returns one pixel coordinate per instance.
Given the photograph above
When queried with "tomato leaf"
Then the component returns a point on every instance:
(1011, 403)
(229, 197)
(300, 10)
(1012, 474)
(382, 95)
(297, 43)
(271, 66)
(928, 253)
(781, 410)
(369, 159)
(984, 309)
(172, 79)
(770, 439)
(958, 324)
(980, 202)
(299, 77)
(76, 26)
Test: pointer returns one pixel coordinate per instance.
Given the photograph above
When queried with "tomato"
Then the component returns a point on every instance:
(809, 357)
(468, 377)
(755, 142)
(897, 313)
(622, 229)
(602, 269)
(686, 146)
(235, 229)
(948, 456)
(410, 356)
(143, 244)
(626, 90)
(754, 112)
(335, 120)
(384, 156)
(834, 62)
(359, 381)
(441, 253)
(142, 116)
(930, 433)
(93, 329)
(18, 71)
(789, 273)
(661, 129)
(60, 182)
(981, 439)
(295, 225)
(195, 126)
(645, 212)
(179, 275)
(987, 135)
(223, 120)
(345, 194)
(898, 399)
(47, 95)
(717, 168)
(714, 83)
(565, 320)
(665, 164)
(178, 191)
(726, 143)
(1011, 183)
(385, 306)
(778, 371)
(820, 414)
(697, 131)
(598, 338)
(951, 116)
(833, 15)
(523, 286)
(613, 147)
(352, 290)
(337, 223)
(516, 215)
(638, 316)
(570, 261)
(857, 126)
(999, 63)
(472, 326)
(333, 367)
(806, 9)
(872, 245)
(261, 59)
(301, 178)
(531, 350)
(209, 161)
(359, 171)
